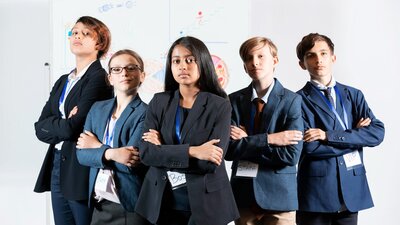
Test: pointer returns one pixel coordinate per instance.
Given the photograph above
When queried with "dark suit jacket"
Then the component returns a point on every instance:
(210, 195)
(274, 187)
(52, 129)
(323, 178)
(128, 132)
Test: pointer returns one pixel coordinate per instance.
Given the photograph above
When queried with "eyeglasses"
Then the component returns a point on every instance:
(189, 60)
(128, 69)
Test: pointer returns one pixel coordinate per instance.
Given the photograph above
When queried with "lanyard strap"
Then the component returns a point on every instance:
(66, 89)
(345, 124)
(178, 125)
(109, 137)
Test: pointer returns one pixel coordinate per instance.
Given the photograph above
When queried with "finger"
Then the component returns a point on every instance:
(214, 141)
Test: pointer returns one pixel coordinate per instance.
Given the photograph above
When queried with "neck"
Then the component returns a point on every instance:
(82, 62)
(188, 95)
(262, 86)
(122, 102)
(325, 80)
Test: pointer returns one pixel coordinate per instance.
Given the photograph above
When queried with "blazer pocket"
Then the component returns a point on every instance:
(216, 185)
(359, 171)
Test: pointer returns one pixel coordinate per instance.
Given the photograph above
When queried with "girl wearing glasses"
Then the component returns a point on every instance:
(109, 143)
(62, 121)
(187, 133)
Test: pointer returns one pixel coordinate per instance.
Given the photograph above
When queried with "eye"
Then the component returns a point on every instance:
(260, 56)
(73, 33)
(133, 68)
(190, 60)
(176, 61)
(116, 69)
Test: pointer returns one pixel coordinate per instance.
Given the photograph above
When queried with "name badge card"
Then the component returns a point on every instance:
(176, 179)
(352, 160)
(247, 169)
(103, 182)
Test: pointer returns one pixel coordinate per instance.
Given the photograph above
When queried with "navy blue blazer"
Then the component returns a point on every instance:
(274, 187)
(128, 132)
(323, 179)
(210, 195)
(52, 129)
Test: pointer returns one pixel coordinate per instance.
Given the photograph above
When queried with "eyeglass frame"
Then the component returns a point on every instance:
(127, 68)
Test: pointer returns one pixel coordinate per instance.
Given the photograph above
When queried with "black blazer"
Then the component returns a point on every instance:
(52, 129)
(210, 194)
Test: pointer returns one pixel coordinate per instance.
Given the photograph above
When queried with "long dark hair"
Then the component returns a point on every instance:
(208, 81)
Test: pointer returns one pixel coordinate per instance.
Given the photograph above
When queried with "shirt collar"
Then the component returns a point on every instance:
(74, 76)
(320, 86)
(265, 97)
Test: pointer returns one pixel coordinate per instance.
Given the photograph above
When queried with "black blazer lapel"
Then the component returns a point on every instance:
(196, 111)
(168, 119)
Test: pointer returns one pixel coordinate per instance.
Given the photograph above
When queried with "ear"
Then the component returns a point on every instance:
(276, 60)
(109, 77)
(333, 58)
(302, 65)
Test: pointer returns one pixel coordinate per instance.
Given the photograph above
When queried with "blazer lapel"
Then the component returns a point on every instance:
(245, 106)
(274, 100)
(105, 117)
(318, 100)
(196, 111)
(130, 108)
(168, 120)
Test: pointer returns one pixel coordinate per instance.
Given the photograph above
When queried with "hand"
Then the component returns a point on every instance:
(363, 122)
(128, 155)
(238, 132)
(314, 134)
(73, 112)
(287, 137)
(207, 151)
(152, 136)
(88, 140)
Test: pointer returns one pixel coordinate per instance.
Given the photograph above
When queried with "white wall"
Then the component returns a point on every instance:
(366, 34)
(24, 47)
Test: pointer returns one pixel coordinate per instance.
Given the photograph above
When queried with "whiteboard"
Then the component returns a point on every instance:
(149, 27)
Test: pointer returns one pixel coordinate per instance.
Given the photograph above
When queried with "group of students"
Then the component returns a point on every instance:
(112, 159)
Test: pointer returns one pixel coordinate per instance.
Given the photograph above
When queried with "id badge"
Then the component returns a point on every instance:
(176, 179)
(102, 182)
(352, 160)
(247, 169)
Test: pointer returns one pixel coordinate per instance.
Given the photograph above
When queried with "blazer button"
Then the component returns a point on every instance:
(164, 177)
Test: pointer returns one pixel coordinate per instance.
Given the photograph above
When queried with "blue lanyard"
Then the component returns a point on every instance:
(108, 138)
(178, 125)
(345, 124)
(66, 90)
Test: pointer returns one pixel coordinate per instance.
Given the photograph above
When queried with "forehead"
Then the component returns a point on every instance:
(123, 59)
(180, 50)
(260, 48)
(320, 46)
(81, 26)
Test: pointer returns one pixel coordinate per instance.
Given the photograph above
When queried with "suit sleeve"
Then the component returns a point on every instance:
(340, 142)
(54, 129)
(256, 148)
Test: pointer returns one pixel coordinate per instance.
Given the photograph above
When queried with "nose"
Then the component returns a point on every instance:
(182, 65)
(255, 61)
